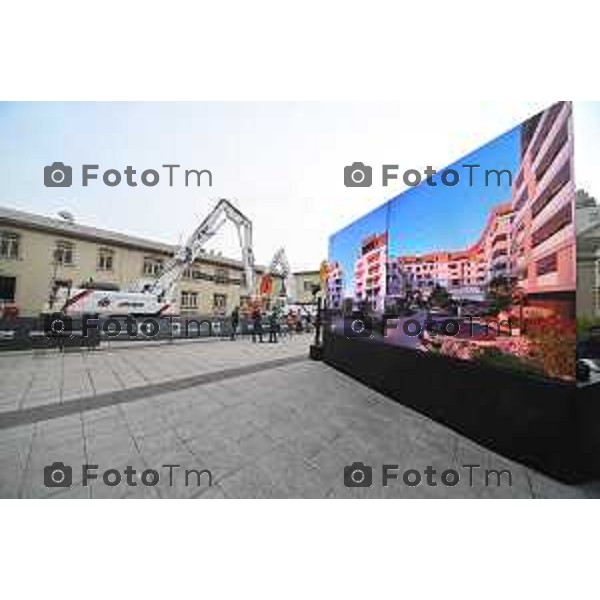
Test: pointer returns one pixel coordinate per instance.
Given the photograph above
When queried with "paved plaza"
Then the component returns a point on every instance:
(262, 418)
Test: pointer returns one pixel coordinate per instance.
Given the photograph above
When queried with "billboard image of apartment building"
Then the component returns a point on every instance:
(464, 273)
(335, 286)
(543, 248)
(370, 273)
(502, 248)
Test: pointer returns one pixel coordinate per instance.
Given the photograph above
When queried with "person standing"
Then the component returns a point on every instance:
(257, 324)
(273, 326)
(291, 323)
(308, 322)
(235, 321)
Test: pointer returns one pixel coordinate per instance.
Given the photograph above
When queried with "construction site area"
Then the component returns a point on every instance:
(56, 272)
(224, 390)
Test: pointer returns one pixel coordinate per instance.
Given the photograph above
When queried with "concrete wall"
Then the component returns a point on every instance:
(586, 283)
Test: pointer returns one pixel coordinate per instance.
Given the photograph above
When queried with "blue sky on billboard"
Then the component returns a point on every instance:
(344, 246)
(426, 218)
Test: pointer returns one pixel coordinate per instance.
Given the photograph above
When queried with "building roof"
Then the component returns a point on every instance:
(584, 200)
(85, 232)
(67, 228)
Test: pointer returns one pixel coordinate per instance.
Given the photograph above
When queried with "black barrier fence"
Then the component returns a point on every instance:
(588, 424)
(545, 424)
(89, 331)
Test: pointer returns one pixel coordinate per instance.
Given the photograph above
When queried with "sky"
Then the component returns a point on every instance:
(281, 163)
(426, 219)
(586, 117)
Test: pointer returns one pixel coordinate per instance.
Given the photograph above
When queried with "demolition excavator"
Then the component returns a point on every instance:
(157, 296)
(279, 266)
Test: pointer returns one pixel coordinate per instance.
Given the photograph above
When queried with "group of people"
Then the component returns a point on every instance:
(276, 323)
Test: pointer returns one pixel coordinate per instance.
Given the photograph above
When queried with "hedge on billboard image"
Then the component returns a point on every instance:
(482, 270)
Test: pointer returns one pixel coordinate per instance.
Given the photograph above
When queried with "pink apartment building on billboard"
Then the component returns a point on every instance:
(464, 273)
(543, 246)
(529, 239)
(370, 273)
(335, 286)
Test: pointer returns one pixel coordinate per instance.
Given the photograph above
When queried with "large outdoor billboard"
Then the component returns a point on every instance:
(476, 261)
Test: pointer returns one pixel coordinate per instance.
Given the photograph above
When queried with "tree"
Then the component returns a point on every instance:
(554, 340)
(440, 297)
(500, 293)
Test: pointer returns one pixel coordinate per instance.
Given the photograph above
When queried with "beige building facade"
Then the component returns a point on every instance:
(588, 257)
(38, 253)
(305, 283)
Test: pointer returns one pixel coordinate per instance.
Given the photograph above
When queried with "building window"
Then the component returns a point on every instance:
(553, 225)
(521, 200)
(308, 286)
(190, 273)
(560, 180)
(221, 275)
(551, 116)
(548, 264)
(7, 289)
(220, 302)
(106, 259)
(152, 266)
(558, 143)
(9, 244)
(189, 300)
(64, 253)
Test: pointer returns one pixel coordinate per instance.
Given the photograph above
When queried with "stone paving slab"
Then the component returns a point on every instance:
(282, 432)
(68, 406)
(31, 379)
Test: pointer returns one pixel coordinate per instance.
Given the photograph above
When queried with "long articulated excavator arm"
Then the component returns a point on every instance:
(163, 286)
(280, 264)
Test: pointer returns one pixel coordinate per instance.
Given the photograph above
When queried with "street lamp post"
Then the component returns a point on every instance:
(53, 288)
